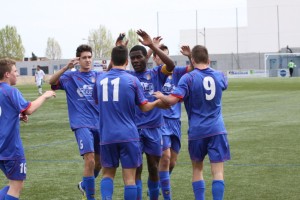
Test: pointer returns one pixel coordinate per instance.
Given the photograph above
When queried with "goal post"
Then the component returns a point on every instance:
(276, 64)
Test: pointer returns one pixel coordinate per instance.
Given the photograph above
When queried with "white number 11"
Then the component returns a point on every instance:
(115, 83)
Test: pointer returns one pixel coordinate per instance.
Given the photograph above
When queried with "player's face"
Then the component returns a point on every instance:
(138, 61)
(85, 61)
(12, 76)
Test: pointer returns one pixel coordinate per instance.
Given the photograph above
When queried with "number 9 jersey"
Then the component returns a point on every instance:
(201, 91)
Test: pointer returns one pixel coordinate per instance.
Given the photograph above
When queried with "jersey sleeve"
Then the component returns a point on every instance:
(62, 81)
(181, 91)
(18, 101)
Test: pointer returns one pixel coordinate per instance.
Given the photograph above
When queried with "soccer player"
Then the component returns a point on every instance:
(171, 134)
(39, 79)
(118, 93)
(83, 113)
(150, 124)
(201, 90)
(13, 107)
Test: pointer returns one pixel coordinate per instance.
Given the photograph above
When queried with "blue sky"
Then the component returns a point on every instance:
(69, 21)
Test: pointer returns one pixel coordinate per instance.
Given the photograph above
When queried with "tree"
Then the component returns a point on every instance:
(53, 50)
(101, 42)
(11, 43)
(132, 37)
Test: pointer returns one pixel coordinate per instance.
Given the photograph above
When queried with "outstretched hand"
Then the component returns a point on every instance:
(186, 51)
(120, 41)
(49, 94)
(147, 41)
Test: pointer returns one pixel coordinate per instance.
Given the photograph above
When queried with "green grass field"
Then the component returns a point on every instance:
(262, 117)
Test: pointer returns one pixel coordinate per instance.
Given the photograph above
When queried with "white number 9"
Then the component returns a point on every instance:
(209, 84)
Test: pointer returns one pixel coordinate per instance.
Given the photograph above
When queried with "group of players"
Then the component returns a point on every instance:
(118, 115)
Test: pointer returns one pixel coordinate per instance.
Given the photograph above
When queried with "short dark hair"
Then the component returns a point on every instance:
(200, 54)
(119, 55)
(6, 66)
(83, 48)
(139, 48)
(161, 47)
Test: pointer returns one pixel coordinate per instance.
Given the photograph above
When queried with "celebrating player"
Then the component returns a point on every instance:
(83, 113)
(201, 91)
(13, 107)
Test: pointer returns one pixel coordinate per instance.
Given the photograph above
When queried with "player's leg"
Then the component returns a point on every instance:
(98, 165)
(164, 164)
(218, 151)
(138, 175)
(131, 157)
(14, 191)
(85, 141)
(39, 85)
(107, 183)
(197, 152)
(153, 151)
(15, 171)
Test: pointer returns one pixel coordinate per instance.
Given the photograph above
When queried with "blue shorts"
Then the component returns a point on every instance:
(171, 141)
(151, 141)
(129, 154)
(217, 148)
(14, 169)
(88, 140)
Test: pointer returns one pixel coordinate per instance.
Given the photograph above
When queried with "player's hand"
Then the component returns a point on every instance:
(73, 62)
(147, 41)
(49, 94)
(157, 40)
(158, 94)
(24, 117)
(120, 41)
(186, 51)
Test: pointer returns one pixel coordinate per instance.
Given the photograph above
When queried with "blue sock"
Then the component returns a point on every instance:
(8, 197)
(153, 190)
(130, 192)
(3, 192)
(139, 189)
(96, 173)
(199, 189)
(164, 177)
(89, 187)
(218, 188)
(107, 188)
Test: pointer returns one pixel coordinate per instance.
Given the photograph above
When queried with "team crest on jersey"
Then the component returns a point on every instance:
(93, 79)
(170, 77)
(85, 91)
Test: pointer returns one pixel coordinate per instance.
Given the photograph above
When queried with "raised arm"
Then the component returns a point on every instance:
(55, 77)
(147, 41)
(186, 51)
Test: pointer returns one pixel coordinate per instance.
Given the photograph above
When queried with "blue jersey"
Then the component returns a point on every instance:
(171, 83)
(152, 80)
(201, 91)
(118, 94)
(83, 112)
(12, 104)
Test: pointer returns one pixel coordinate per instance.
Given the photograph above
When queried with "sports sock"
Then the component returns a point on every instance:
(199, 189)
(164, 177)
(3, 192)
(8, 197)
(89, 187)
(130, 192)
(107, 188)
(139, 189)
(153, 190)
(218, 188)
